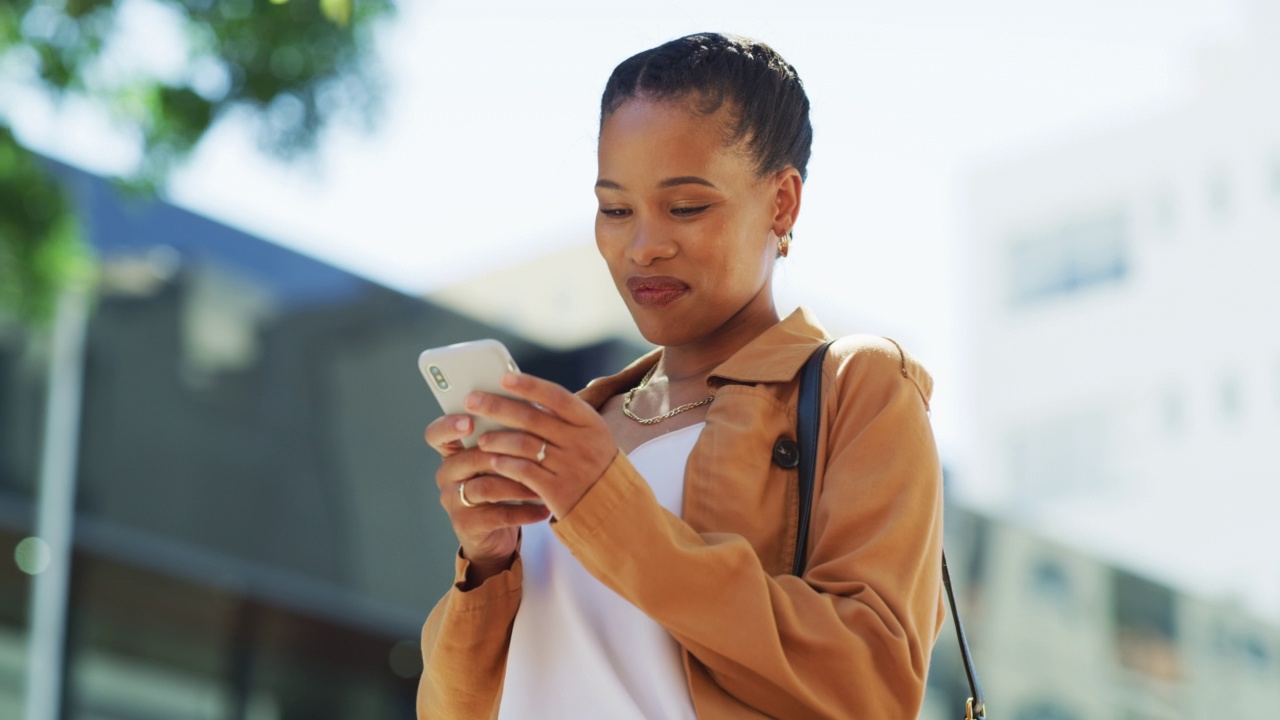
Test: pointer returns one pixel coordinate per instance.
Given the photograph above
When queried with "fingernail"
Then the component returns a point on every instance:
(472, 401)
(462, 424)
(510, 380)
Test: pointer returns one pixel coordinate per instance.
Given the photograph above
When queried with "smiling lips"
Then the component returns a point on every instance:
(656, 291)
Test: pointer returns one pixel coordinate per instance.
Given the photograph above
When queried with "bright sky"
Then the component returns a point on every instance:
(486, 152)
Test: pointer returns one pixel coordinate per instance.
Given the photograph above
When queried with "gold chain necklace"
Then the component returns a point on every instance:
(626, 403)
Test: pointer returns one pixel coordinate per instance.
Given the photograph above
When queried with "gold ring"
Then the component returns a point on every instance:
(542, 452)
(462, 495)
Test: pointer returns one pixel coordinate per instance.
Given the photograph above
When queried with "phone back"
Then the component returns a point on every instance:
(454, 371)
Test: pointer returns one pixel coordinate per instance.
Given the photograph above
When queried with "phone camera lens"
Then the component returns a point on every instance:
(438, 376)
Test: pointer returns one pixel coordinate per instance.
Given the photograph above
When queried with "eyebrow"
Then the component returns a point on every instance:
(668, 183)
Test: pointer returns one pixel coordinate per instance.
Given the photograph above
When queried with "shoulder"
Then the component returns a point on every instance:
(870, 364)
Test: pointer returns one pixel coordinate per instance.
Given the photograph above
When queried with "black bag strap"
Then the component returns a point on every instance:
(976, 707)
(808, 420)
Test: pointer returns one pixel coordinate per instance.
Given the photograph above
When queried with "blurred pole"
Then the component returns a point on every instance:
(55, 509)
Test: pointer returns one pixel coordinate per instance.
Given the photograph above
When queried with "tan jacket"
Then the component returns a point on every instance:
(851, 639)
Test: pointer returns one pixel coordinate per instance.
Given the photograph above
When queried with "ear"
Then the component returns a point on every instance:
(786, 202)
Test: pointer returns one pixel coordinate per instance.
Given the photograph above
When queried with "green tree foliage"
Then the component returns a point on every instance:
(39, 240)
(292, 64)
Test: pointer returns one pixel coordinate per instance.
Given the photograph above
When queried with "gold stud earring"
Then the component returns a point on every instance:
(784, 244)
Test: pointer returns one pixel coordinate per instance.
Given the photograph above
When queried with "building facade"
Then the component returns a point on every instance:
(1058, 634)
(258, 535)
(1124, 336)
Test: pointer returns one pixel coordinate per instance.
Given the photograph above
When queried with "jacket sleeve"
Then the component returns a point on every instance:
(464, 646)
(849, 640)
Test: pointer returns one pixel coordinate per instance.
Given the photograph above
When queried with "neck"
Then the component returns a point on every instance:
(695, 360)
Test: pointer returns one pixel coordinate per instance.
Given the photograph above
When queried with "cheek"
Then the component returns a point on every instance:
(746, 247)
(604, 235)
(754, 259)
(609, 244)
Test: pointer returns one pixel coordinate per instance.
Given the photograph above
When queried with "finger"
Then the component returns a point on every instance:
(516, 444)
(484, 519)
(488, 489)
(512, 413)
(446, 433)
(526, 472)
(552, 397)
(462, 465)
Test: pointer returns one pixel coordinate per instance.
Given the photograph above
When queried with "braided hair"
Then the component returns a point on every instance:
(768, 102)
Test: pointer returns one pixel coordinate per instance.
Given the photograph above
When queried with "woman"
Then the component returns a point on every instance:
(660, 586)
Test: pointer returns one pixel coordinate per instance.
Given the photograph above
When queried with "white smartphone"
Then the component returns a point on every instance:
(453, 371)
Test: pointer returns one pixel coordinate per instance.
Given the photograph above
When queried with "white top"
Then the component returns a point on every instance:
(578, 649)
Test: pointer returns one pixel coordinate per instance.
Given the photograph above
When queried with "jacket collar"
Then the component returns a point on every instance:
(773, 356)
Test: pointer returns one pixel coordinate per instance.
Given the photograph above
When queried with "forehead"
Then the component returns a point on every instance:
(656, 139)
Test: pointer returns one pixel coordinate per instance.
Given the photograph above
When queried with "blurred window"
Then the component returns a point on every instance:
(1064, 454)
(13, 648)
(1045, 710)
(1052, 584)
(145, 644)
(1230, 398)
(1174, 411)
(1144, 615)
(1255, 652)
(1242, 648)
(1252, 652)
(1071, 257)
(23, 363)
(1165, 212)
(1219, 196)
(15, 589)
(223, 313)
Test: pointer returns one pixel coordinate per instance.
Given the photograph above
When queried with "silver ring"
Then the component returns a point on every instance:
(542, 452)
(462, 495)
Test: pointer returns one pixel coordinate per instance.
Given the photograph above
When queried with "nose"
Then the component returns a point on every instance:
(650, 241)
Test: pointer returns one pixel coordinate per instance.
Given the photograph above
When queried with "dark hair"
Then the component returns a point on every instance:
(771, 110)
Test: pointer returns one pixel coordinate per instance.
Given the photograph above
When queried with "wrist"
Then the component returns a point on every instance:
(481, 569)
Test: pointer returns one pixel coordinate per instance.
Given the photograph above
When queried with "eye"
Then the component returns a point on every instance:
(615, 212)
(687, 210)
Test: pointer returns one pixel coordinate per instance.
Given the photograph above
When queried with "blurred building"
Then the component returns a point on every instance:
(257, 534)
(1060, 635)
(561, 299)
(1124, 335)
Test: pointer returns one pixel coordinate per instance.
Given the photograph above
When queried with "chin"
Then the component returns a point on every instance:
(651, 331)
(669, 331)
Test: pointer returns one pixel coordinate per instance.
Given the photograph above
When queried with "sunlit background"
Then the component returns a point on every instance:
(1069, 211)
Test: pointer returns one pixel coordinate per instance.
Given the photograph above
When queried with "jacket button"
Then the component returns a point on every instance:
(786, 453)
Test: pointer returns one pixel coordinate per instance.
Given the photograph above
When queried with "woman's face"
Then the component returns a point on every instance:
(688, 228)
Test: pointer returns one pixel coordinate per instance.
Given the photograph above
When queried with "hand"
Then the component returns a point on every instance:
(488, 532)
(578, 445)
